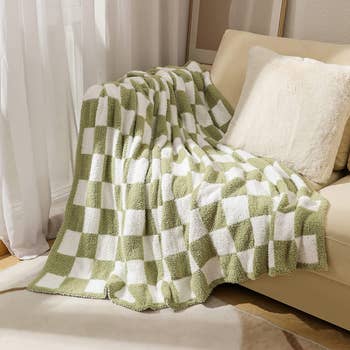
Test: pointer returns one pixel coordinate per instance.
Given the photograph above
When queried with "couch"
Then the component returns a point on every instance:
(325, 295)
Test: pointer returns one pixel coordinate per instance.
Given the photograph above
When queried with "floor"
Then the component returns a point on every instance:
(277, 313)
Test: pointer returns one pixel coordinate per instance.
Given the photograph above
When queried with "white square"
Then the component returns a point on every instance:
(284, 226)
(134, 222)
(87, 146)
(91, 220)
(167, 187)
(243, 154)
(183, 206)
(97, 165)
(136, 272)
(80, 193)
(113, 90)
(221, 114)
(309, 203)
(258, 188)
(246, 257)
(236, 209)
(102, 111)
(209, 193)
(212, 270)
(183, 288)
(180, 169)
(260, 226)
(134, 144)
(247, 167)
(92, 92)
(106, 247)
(151, 248)
(272, 175)
(125, 295)
(118, 171)
(156, 293)
(70, 243)
(234, 173)
(142, 104)
(197, 228)
(50, 280)
(189, 122)
(137, 170)
(120, 270)
(307, 249)
(155, 169)
(82, 268)
(147, 133)
(173, 241)
(112, 137)
(108, 200)
(189, 87)
(95, 286)
(223, 241)
(202, 115)
(157, 217)
(298, 182)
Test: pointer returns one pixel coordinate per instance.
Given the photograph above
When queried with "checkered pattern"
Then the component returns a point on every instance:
(160, 212)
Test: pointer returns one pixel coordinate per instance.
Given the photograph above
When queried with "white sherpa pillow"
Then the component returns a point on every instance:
(292, 109)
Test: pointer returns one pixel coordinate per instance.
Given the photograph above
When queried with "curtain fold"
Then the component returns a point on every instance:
(50, 52)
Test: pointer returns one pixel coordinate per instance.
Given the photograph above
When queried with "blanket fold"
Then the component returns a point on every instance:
(160, 212)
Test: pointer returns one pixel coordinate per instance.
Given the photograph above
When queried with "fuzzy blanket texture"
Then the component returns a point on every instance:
(160, 212)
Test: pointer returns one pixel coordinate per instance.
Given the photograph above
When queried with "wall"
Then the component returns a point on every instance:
(324, 20)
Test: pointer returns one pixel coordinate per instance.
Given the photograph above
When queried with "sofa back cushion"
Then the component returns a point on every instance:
(230, 65)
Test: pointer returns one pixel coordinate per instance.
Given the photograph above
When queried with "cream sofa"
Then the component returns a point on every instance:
(322, 294)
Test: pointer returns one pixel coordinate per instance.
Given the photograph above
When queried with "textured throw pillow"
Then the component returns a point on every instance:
(234, 47)
(294, 110)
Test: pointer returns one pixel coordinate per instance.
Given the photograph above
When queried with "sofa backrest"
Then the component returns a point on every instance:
(229, 67)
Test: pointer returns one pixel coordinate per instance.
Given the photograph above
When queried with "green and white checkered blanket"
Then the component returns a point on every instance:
(161, 212)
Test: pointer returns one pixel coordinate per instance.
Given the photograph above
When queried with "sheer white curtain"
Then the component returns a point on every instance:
(50, 52)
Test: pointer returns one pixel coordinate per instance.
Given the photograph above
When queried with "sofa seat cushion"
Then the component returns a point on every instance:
(338, 230)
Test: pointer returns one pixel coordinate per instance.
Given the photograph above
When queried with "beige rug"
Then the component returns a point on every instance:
(35, 321)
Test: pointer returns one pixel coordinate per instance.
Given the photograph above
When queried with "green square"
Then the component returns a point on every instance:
(128, 98)
(107, 169)
(260, 260)
(108, 221)
(93, 194)
(182, 185)
(154, 271)
(235, 187)
(83, 166)
(102, 269)
(213, 216)
(178, 265)
(87, 246)
(72, 286)
(88, 113)
(74, 217)
(135, 196)
(259, 205)
(150, 227)
(242, 234)
(112, 105)
(100, 139)
(170, 216)
(202, 250)
(132, 247)
(285, 256)
(59, 264)
(232, 268)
